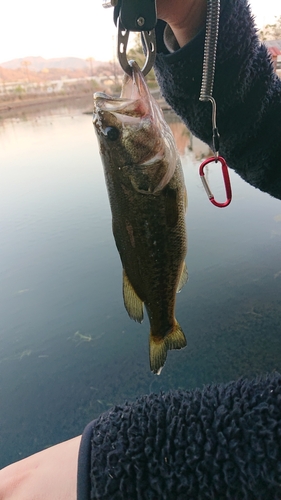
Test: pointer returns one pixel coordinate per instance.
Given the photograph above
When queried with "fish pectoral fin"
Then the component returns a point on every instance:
(183, 277)
(133, 304)
(158, 347)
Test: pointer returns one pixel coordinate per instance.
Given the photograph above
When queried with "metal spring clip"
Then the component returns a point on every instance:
(140, 16)
(212, 27)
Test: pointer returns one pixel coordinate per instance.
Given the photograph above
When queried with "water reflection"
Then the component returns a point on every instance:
(68, 350)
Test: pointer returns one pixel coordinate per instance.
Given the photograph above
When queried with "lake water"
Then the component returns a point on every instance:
(68, 350)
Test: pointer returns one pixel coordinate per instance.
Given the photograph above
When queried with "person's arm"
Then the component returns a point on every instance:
(48, 475)
(246, 89)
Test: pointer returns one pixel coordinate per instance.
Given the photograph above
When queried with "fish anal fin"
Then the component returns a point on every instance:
(175, 338)
(158, 347)
(133, 304)
(183, 277)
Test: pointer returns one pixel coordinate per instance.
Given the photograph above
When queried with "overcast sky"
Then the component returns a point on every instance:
(84, 29)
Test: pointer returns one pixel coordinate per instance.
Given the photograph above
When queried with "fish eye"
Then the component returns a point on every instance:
(112, 133)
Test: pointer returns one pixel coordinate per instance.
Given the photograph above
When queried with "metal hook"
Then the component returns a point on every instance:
(122, 43)
(226, 179)
(216, 135)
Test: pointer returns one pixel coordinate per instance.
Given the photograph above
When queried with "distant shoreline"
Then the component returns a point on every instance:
(15, 108)
(10, 109)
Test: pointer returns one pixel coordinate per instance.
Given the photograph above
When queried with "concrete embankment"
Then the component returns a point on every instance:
(21, 106)
(16, 107)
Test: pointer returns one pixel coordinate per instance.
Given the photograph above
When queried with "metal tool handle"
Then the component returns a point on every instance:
(139, 16)
(150, 49)
(135, 15)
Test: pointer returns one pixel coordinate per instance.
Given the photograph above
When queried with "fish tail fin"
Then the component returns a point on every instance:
(158, 347)
(176, 338)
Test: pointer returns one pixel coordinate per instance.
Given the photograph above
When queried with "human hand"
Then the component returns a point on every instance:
(50, 474)
(185, 17)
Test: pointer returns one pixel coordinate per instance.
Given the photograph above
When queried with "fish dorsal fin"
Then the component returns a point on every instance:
(133, 304)
(183, 278)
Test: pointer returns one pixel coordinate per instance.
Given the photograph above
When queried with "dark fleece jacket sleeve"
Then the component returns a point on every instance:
(246, 89)
(222, 442)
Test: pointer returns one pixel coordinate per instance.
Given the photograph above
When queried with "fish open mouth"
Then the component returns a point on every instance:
(133, 103)
(125, 110)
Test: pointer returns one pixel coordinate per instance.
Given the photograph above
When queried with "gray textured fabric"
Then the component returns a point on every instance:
(221, 442)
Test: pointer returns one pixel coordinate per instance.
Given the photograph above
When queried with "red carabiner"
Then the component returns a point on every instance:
(225, 178)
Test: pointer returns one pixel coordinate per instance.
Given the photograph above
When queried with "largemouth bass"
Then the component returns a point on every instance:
(148, 202)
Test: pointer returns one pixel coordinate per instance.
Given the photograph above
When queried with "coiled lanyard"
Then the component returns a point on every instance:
(209, 61)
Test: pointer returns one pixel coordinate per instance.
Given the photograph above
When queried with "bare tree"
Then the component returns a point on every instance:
(25, 65)
(90, 60)
(271, 31)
